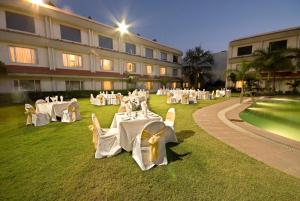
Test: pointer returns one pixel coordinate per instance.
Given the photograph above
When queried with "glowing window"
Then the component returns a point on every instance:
(131, 67)
(22, 55)
(72, 60)
(174, 85)
(106, 64)
(107, 85)
(149, 69)
(162, 71)
(148, 85)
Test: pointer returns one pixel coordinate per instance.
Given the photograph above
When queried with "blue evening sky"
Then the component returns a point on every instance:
(185, 24)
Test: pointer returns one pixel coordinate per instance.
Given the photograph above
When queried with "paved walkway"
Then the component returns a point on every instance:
(222, 121)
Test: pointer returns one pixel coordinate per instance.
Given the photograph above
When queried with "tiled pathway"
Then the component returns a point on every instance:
(222, 121)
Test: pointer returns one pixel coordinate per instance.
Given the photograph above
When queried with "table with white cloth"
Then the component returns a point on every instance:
(130, 127)
(54, 109)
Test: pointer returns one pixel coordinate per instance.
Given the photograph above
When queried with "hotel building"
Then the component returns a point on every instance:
(242, 48)
(45, 48)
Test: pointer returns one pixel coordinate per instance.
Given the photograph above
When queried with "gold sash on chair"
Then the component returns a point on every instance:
(29, 112)
(102, 100)
(72, 112)
(95, 135)
(153, 139)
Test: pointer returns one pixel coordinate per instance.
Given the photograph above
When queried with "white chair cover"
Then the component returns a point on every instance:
(37, 119)
(106, 141)
(170, 122)
(149, 146)
(72, 113)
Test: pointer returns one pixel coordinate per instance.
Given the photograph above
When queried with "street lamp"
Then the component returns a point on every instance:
(122, 27)
(38, 2)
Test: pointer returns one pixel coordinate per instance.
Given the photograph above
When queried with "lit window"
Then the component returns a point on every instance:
(72, 60)
(130, 67)
(149, 69)
(162, 71)
(106, 64)
(107, 85)
(148, 85)
(22, 55)
(174, 85)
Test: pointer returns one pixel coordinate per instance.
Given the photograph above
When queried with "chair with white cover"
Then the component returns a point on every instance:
(170, 98)
(72, 113)
(101, 99)
(119, 98)
(212, 95)
(38, 102)
(193, 97)
(61, 99)
(106, 141)
(35, 118)
(47, 99)
(185, 98)
(170, 122)
(74, 100)
(149, 146)
(113, 99)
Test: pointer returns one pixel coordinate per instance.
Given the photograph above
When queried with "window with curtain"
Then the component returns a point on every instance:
(148, 85)
(107, 85)
(72, 60)
(70, 33)
(162, 71)
(74, 85)
(106, 64)
(149, 52)
(22, 55)
(105, 42)
(163, 56)
(130, 67)
(130, 48)
(19, 22)
(149, 69)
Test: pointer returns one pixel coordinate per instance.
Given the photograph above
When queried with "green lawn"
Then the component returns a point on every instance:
(56, 162)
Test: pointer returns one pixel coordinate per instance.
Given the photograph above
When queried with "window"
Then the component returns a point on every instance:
(148, 52)
(69, 33)
(130, 48)
(107, 85)
(149, 69)
(72, 60)
(27, 85)
(244, 50)
(19, 22)
(105, 42)
(163, 56)
(175, 72)
(162, 71)
(22, 55)
(74, 85)
(278, 45)
(148, 85)
(174, 85)
(106, 64)
(131, 67)
(175, 59)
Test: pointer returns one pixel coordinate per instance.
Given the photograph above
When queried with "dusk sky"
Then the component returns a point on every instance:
(185, 24)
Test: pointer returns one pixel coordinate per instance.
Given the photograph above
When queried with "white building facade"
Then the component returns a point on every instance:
(241, 50)
(45, 48)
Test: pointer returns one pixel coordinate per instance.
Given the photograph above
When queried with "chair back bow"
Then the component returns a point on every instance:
(153, 140)
(101, 99)
(72, 110)
(29, 111)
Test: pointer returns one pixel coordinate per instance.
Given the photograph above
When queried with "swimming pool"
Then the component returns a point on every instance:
(277, 115)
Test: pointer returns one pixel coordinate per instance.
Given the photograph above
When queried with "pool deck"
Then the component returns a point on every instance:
(223, 122)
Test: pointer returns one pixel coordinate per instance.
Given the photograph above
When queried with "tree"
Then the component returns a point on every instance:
(197, 64)
(131, 80)
(271, 61)
(245, 74)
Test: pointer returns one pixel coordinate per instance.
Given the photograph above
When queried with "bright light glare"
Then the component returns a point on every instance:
(123, 27)
(37, 1)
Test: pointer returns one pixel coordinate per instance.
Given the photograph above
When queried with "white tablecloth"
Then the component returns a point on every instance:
(130, 127)
(54, 109)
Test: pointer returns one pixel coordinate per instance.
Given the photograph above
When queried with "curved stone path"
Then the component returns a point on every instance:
(223, 122)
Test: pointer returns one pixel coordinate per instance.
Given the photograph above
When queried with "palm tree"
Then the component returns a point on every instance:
(197, 64)
(243, 73)
(271, 61)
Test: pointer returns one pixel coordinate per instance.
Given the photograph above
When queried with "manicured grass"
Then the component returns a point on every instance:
(56, 162)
